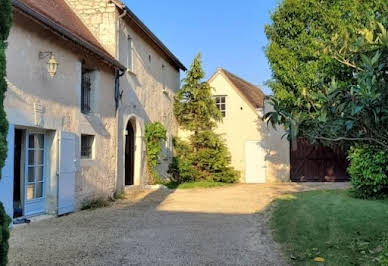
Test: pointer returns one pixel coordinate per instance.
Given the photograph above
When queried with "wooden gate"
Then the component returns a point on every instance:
(317, 163)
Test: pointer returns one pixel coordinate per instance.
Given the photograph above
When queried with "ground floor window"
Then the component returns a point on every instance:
(87, 142)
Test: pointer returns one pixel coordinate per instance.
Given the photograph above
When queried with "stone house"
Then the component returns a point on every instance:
(147, 87)
(258, 151)
(78, 102)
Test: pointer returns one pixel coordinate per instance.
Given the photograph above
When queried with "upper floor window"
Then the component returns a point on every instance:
(130, 54)
(221, 104)
(86, 91)
(164, 86)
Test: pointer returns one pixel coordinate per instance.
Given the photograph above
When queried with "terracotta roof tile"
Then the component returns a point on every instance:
(253, 93)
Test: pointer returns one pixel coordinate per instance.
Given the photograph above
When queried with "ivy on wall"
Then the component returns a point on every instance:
(155, 134)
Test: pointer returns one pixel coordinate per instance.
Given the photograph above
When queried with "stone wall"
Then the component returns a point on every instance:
(148, 89)
(58, 99)
(100, 17)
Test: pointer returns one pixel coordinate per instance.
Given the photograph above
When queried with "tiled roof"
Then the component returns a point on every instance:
(251, 92)
(57, 15)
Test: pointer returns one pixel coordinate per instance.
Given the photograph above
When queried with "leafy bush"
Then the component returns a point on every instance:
(181, 169)
(95, 204)
(155, 133)
(208, 161)
(369, 171)
(4, 235)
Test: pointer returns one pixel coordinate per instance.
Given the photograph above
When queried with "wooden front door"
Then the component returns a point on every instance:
(129, 155)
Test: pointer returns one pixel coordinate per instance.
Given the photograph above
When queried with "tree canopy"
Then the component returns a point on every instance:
(312, 43)
(319, 49)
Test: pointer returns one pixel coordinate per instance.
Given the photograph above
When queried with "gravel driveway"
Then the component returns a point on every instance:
(215, 226)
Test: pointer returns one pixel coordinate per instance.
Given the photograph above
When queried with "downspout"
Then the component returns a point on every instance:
(118, 95)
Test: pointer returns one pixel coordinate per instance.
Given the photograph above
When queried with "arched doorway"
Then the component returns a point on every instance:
(130, 155)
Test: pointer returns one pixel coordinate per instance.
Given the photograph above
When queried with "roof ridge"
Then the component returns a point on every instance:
(253, 94)
(230, 73)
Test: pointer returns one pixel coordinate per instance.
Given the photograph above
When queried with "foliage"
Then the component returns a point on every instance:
(369, 171)
(182, 168)
(4, 235)
(204, 157)
(195, 108)
(192, 185)
(5, 25)
(321, 65)
(95, 204)
(155, 134)
(119, 195)
(332, 225)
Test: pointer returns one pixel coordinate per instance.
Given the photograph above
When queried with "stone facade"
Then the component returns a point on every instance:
(100, 17)
(148, 88)
(36, 102)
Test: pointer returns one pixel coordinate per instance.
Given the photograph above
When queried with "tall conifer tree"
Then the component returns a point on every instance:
(5, 25)
(196, 111)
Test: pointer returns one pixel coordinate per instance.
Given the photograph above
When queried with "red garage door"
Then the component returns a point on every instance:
(317, 163)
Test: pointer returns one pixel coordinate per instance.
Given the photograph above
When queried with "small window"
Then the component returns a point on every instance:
(221, 104)
(130, 54)
(164, 78)
(87, 142)
(86, 89)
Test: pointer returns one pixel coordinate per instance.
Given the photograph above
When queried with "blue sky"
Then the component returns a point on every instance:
(229, 33)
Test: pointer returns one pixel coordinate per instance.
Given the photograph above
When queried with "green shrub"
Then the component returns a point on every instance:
(4, 235)
(120, 195)
(95, 204)
(209, 161)
(181, 168)
(155, 134)
(369, 171)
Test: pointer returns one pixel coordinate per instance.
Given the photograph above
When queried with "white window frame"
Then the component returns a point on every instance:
(220, 103)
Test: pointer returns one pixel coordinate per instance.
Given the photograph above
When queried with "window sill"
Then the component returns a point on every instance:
(130, 72)
(87, 162)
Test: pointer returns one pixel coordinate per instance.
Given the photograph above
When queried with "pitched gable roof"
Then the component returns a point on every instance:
(252, 93)
(59, 17)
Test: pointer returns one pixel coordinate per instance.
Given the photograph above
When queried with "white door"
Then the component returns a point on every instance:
(254, 163)
(35, 177)
(66, 173)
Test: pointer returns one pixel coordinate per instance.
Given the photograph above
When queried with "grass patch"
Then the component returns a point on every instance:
(120, 195)
(332, 225)
(190, 185)
(95, 204)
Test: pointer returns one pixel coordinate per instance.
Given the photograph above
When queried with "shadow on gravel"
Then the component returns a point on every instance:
(196, 227)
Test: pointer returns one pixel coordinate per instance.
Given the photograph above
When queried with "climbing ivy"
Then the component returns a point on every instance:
(155, 134)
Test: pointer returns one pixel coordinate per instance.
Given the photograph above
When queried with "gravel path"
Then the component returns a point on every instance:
(218, 226)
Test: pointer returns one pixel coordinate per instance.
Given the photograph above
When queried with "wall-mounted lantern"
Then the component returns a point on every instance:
(52, 64)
